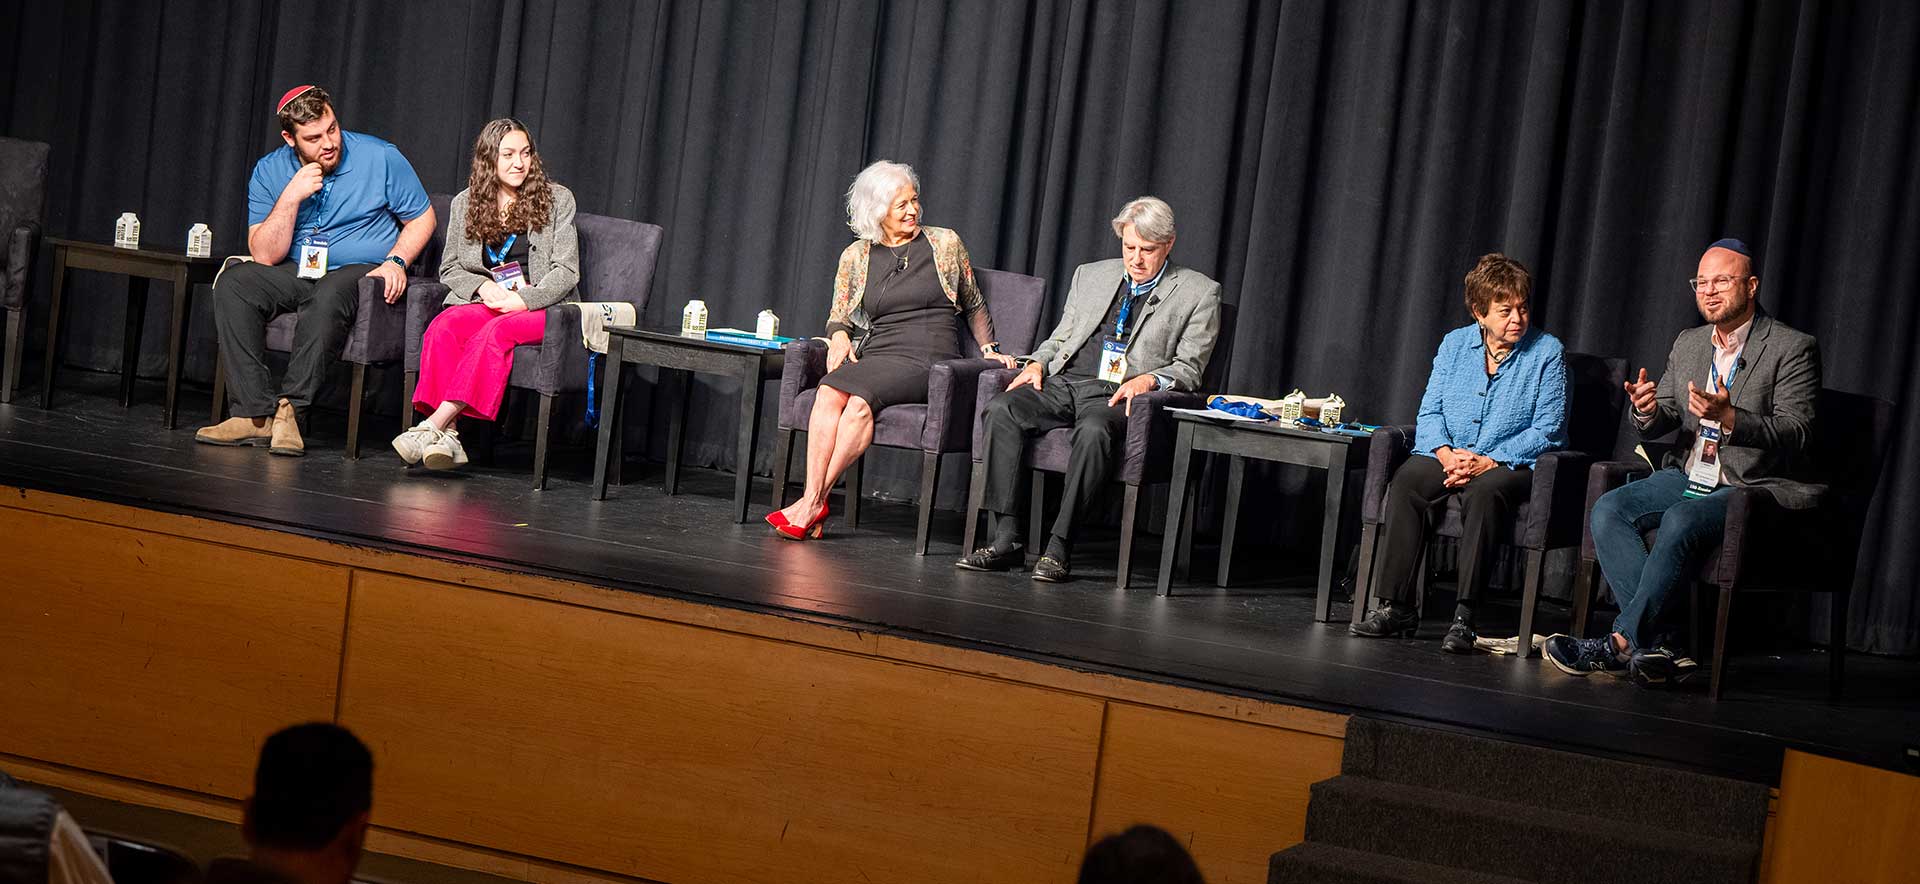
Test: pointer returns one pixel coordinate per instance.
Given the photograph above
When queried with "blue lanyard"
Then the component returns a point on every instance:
(495, 258)
(1713, 372)
(319, 201)
(1126, 310)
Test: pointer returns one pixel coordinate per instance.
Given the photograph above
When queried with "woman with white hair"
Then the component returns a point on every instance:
(896, 296)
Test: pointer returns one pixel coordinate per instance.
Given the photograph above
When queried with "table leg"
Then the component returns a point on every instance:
(751, 394)
(53, 326)
(1176, 505)
(130, 342)
(176, 344)
(1236, 477)
(603, 448)
(1330, 533)
(677, 425)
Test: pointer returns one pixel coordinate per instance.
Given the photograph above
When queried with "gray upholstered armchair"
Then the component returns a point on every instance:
(941, 426)
(23, 203)
(617, 258)
(1146, 456)
(379, 332)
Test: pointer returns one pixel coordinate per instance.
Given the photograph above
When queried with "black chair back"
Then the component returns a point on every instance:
(23, 201)
(1015, 301)
(1215, 377)
(1850, 441)
(428, 264)
(1596, 399)
(617, 259)
(130, 861)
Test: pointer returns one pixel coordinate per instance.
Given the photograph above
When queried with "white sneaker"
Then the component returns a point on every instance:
(412, 444)
(444, 451)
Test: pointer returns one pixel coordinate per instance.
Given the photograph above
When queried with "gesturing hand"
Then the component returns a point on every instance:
(1711, 406)
(1642, 393)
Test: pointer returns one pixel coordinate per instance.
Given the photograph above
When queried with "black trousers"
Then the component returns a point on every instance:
(1418, 487)
(1016, 416)
(248, 296)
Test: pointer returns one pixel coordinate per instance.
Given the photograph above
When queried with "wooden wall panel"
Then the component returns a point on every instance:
(156, 657)
(1843, 823)
(682, 754)
(1234, 793)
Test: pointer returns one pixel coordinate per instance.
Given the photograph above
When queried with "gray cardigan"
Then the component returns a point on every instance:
(553, 252)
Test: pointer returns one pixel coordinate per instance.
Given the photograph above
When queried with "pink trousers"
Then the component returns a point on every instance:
(467, 355)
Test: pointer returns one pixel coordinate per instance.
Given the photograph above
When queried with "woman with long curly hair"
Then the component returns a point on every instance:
(511, 252)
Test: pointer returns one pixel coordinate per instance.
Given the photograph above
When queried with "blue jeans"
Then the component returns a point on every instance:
(1642, 578)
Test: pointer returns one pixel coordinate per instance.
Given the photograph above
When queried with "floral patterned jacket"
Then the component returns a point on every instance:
(950, 263)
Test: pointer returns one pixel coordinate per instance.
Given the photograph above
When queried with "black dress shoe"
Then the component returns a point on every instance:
(1049, 570)
(1387, 621)
(985, 559)
(1460, 638)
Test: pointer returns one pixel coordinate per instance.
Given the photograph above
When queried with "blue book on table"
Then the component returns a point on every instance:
(745, 338)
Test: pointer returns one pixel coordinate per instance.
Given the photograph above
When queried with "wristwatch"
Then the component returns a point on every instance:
(398, 260)
(990, 348)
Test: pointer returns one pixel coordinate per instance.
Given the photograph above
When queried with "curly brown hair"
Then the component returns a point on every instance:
(1497, 279)
(529, 211)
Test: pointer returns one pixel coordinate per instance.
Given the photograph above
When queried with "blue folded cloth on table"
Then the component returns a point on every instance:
(1242, 409)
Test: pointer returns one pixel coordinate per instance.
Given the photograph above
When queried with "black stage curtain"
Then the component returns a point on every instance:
(1338, 164)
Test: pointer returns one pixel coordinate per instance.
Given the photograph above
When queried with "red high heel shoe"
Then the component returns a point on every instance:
(813, 530)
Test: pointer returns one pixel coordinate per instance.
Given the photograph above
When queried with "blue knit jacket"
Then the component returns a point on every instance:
(1512, 417)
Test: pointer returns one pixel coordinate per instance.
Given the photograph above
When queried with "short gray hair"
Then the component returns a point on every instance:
(872, 195)
(1150, 216)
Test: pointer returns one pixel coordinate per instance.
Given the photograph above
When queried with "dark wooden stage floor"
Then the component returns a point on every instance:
(1254, 640)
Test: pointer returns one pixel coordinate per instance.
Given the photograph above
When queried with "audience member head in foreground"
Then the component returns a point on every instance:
(1140, 855)
(306, 820)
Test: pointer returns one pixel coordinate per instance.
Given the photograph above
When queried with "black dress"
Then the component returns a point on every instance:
(913, 327)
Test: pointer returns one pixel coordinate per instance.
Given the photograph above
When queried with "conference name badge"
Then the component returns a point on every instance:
(1704, 475)
(313, 257)
(510, 276)
(1113, 360)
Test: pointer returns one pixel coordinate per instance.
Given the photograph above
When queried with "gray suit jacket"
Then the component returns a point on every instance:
(1775, 386)
(553, 252)
(1173, 337)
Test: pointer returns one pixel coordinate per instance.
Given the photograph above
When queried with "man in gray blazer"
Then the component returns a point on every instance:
(1131, 324)
(1753, 380)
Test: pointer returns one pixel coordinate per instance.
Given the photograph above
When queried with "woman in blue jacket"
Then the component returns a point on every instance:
(1496, 401)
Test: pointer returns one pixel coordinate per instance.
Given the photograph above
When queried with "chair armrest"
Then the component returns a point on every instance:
(1558, 498)
(22, 244)
(379, 329)
(1150, 438)
(806, 364)
(1603, 477)
(952, 392)
(989, 384)
(426, 297)
(1389, 447)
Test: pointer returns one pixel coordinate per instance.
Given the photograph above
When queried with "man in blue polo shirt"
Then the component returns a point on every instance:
(325, 210)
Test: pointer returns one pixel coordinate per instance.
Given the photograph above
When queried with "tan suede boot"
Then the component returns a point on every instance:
(286, 433)
(236, 431)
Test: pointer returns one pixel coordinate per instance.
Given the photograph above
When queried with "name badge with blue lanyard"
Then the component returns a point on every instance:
(312, 255)
(1704, 476)
(508, 274)
(1113, 348)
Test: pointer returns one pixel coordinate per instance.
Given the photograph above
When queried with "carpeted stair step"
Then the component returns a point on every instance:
(1591, 841)
(1659, 797)
(1311, 863)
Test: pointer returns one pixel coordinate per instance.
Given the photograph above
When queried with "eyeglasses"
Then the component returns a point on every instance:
(1717, 283)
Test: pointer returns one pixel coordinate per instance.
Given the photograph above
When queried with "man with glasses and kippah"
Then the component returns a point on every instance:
(1740, 391)
(323, 211)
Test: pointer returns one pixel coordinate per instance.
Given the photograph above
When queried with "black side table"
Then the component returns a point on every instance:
(1266, 440)
(142, 268)
(683, 356)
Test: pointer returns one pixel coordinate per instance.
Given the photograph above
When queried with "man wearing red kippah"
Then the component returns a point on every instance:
(325, 210)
